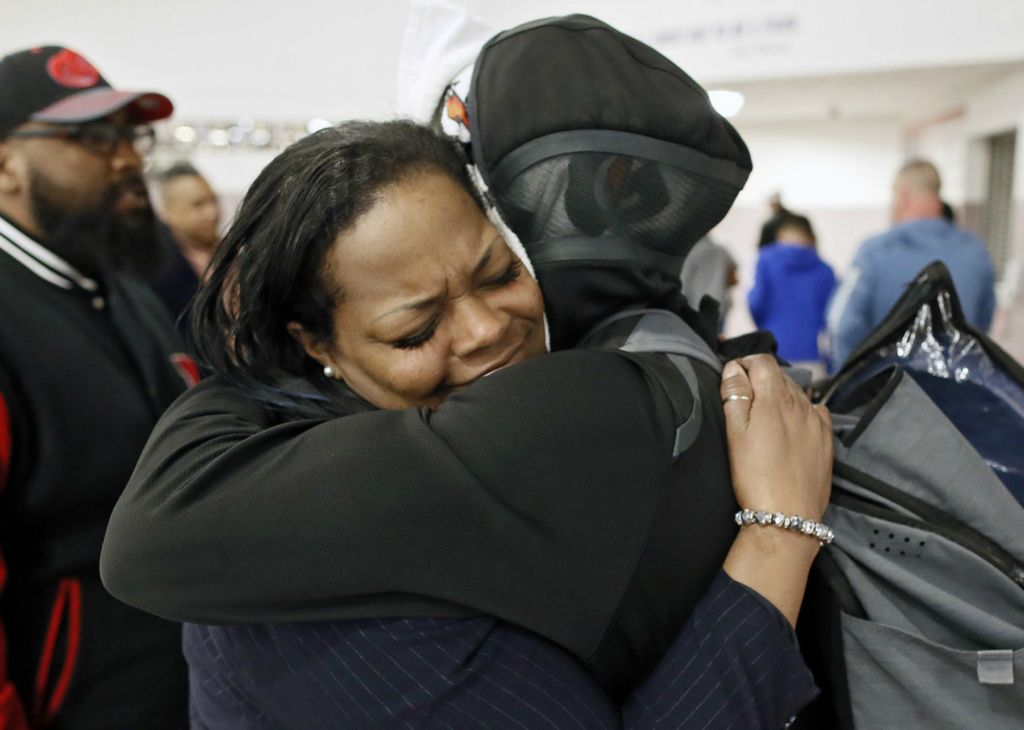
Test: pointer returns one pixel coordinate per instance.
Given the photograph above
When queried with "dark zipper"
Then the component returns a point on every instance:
(928, 519)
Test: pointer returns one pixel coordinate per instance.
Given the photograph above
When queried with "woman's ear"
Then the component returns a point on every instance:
(314, 346)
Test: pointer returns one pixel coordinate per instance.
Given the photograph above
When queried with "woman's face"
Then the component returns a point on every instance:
(431, 297)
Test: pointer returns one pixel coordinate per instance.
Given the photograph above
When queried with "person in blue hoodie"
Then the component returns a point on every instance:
(885, 264)
(791, 290)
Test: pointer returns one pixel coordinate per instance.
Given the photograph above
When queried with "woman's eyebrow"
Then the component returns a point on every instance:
(418, 305)
(428, 302)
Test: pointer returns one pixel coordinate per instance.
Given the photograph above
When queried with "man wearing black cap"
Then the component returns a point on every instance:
(88, 361)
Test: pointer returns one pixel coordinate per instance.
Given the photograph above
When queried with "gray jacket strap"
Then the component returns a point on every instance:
(687, 433)
(661, 331)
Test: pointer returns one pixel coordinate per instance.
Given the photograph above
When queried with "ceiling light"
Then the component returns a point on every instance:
(261, 137)
(218, 137)
(185, 134)
(726, 103)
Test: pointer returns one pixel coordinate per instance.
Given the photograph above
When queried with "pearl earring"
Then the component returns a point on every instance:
(328, 371)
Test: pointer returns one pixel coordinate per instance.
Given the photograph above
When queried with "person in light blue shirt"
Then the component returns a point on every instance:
(885, 264)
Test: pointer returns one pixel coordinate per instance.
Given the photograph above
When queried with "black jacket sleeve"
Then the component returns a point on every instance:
(526, 496)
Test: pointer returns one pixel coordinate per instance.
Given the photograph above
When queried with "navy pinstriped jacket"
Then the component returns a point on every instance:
(735, 664)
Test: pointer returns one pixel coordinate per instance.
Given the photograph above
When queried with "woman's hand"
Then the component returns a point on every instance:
(780, 450)
(780, 446)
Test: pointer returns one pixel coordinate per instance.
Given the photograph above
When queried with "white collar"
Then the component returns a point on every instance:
(441, 39)
(40, 260)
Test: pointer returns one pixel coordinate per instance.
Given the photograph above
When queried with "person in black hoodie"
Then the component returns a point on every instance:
(549, 495)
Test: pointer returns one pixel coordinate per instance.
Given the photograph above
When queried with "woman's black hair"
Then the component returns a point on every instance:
(269, 269)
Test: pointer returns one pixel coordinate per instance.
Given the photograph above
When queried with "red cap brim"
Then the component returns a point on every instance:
(144, 106)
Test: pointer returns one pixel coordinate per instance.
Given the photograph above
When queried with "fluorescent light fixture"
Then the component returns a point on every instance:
(726, 103)
(261, 137)
(218, 137)
(185, 134)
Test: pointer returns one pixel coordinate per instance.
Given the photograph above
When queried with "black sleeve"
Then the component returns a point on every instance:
(528, 493)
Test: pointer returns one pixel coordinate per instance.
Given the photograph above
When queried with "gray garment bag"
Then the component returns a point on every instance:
(927, 569)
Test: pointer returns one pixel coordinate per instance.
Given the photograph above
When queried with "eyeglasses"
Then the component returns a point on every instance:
(101, 138)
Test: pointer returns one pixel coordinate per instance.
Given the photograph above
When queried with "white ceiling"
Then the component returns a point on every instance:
(339, 58)
(905, 95)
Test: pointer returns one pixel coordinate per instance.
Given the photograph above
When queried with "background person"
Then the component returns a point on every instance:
(792, 287)
(191, 212)
(886, 263)
(770, 228)
(88, 361)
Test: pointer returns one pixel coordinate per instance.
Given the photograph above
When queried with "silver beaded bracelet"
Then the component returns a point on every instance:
(818, 530)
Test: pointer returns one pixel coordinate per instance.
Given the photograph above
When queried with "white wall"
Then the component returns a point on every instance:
(996, 107)
(822, 163)
(991, 110)
(741, 40)
(281, 60)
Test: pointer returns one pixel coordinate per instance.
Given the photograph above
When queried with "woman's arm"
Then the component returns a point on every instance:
(780, 449)
(735, 664)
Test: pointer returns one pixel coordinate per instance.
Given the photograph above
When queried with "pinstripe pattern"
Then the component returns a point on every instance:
(735, 665)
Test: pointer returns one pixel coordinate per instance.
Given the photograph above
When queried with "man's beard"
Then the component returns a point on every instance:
(101, 239)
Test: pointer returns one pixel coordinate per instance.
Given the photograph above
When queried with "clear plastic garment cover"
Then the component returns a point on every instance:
(973, 382)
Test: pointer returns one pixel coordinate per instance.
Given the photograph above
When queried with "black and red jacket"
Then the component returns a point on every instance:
(86, 368)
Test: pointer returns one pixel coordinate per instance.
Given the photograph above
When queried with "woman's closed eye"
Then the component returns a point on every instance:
(423, 335)
(418, 338)
(509, 275)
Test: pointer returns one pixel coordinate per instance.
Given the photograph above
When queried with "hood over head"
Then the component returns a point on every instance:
(606, 160)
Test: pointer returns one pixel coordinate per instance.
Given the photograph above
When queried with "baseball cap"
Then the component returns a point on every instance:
(56, 84)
